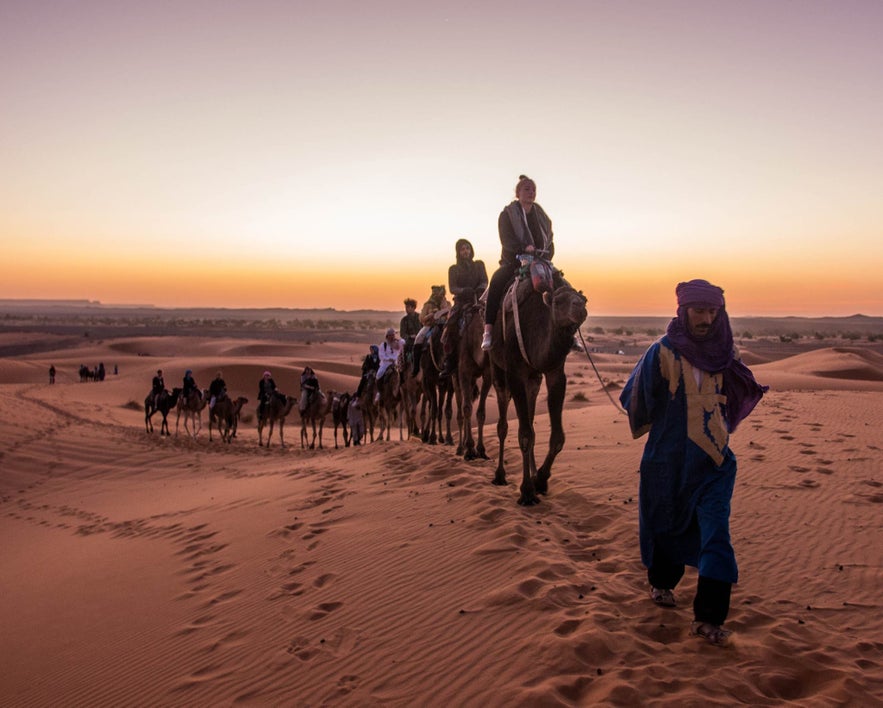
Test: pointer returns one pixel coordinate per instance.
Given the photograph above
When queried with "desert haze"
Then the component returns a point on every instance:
(140, 569)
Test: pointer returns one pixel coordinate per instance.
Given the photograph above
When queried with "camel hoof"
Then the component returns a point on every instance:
(528, 501)
(499, 482)
(469, 455)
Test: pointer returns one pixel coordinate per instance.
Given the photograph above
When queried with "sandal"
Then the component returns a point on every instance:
(713, 633)
(663, 598)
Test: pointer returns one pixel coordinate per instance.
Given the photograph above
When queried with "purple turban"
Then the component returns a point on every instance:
(699, 292)
(714, 352)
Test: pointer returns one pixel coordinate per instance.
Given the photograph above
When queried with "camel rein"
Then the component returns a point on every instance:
(598, 373)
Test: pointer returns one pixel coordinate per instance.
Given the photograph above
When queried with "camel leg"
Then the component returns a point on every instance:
(524, 395)
(281, 434)
(449, 414)
(463, 391)
(556, 386)
(481, 414)
(502, 425)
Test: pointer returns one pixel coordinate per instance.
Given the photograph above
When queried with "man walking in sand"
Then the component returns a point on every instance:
(689, 391)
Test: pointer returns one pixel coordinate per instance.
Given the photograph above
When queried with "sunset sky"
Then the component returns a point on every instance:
(329, 153)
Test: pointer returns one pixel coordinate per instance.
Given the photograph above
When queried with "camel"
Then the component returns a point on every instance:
(192, 407)
(167, 401)
(438, 393)
(225, 412)
(238, 405)
(388, 410)
(411, 391)
(317, 410)
(472, 364)
(369, 408)
(339, 415)
(532, 338)
(275, 411)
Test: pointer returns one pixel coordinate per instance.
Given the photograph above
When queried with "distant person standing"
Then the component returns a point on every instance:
(689, 391)
(52, 373)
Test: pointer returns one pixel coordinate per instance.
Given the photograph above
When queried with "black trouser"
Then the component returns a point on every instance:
(497, 288)
(712, 601)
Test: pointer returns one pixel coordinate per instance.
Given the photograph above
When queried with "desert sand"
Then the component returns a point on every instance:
(142, 570)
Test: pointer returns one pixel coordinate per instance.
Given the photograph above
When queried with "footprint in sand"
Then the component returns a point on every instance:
(568, 627)
(809, 483)
(324, 609)
(798, 468)
(323, 580)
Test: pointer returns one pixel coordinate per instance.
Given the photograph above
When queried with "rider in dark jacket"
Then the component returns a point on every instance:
(467, 281)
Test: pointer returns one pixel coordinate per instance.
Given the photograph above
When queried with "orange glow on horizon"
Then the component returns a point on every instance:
(611, 290)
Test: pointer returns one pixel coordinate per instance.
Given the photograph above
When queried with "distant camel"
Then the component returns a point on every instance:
(472, 363)
(167, 401)
(532, 338)
(191, 407)
(224, 413)
(368, 407)
(238, 405)
(388, 406)
(317, 410)
(275, 411)
(438, 393)
(340, 404)
(412, 391)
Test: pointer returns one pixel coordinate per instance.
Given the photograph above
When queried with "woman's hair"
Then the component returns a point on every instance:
(522, 181)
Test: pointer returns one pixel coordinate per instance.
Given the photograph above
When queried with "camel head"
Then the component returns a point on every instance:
(568, 307)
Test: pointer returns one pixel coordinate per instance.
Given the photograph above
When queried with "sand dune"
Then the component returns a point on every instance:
(140, 570)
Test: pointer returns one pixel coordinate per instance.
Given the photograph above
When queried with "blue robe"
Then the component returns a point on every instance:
(687, 470)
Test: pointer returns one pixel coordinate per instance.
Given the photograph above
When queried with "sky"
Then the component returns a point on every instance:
(287, 153)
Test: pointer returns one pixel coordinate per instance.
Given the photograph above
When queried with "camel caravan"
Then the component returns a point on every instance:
(412, 383)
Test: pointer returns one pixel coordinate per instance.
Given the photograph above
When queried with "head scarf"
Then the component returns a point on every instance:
(714, 352)
(459, 243)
